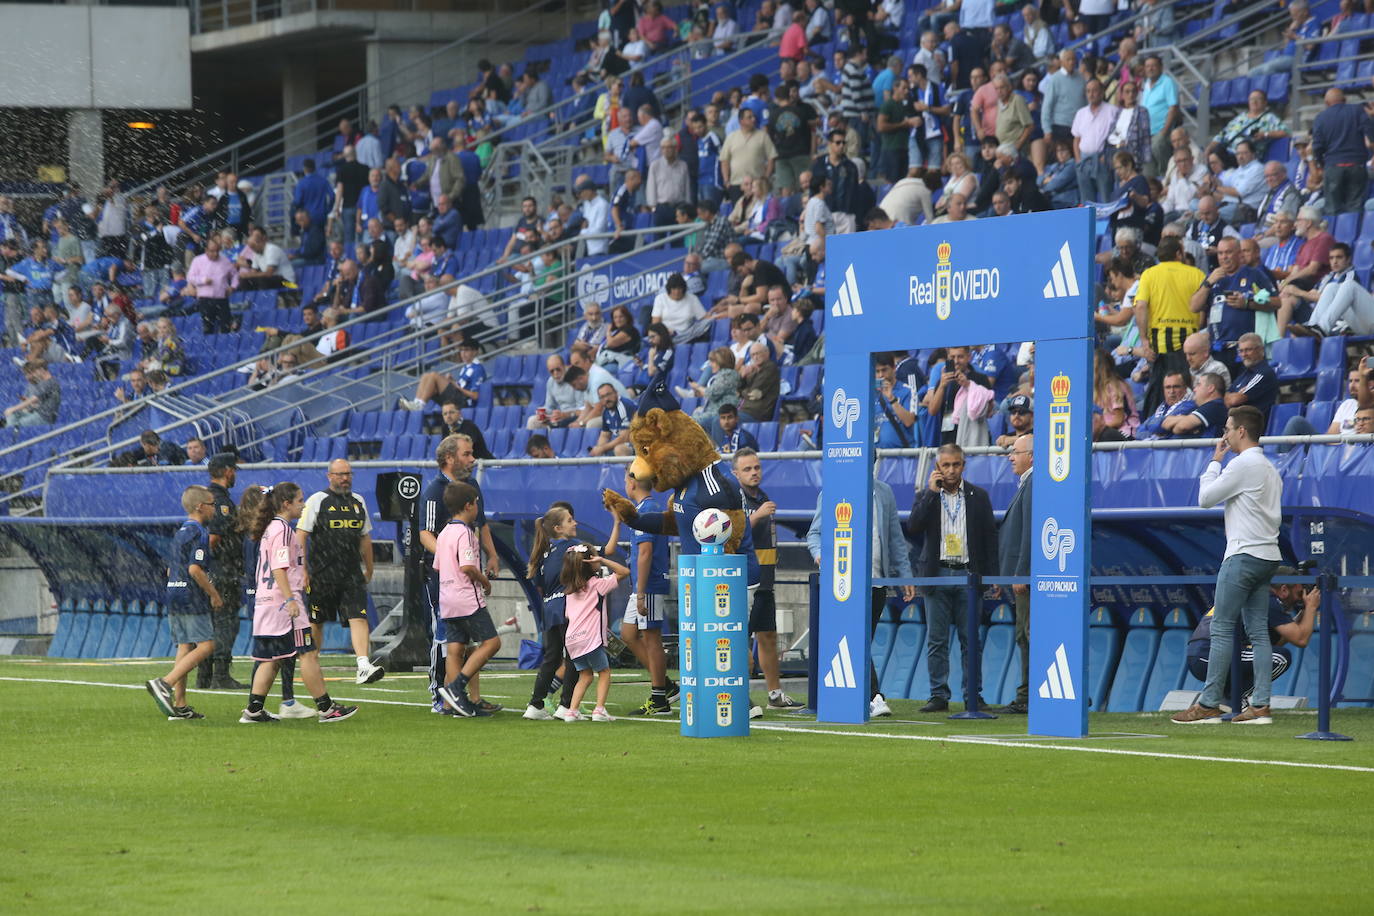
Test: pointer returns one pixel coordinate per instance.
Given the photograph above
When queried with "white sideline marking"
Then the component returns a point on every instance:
(947, 739)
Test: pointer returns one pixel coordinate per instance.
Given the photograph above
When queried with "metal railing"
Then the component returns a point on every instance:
(307, 131)
(360, 359)
(552, 158)
(1310, 78)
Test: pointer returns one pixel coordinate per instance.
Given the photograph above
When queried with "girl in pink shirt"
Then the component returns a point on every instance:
(281, 628)
(586, 590)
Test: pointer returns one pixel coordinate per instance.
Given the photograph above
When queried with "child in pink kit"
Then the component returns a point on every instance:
(586, 592)
(280, 625)
(463, 591)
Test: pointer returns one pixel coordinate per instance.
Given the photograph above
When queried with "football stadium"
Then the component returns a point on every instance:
(883, 455)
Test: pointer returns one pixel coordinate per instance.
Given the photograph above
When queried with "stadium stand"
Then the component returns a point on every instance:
(515, 281)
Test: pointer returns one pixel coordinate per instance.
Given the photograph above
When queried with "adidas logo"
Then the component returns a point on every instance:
(1058, 683)
(1063, 281)
(847, 303)
(841, 673)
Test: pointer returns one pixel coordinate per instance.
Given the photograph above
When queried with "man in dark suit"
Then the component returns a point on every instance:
(955, 518)
(1015, 557)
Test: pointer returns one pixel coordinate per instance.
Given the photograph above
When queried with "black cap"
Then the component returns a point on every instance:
(1018, 402)
(222, 461)
(658, 395)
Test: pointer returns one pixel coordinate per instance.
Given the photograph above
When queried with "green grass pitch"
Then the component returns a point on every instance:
(109, 808)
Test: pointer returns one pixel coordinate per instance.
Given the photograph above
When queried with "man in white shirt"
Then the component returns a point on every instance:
(596, 215)
(263, 264)
(1252, 491)
(1186, 185)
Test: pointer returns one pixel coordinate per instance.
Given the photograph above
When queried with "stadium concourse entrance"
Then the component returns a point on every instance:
(1006, 280)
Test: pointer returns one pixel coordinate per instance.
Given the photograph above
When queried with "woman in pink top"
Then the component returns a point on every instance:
(281, 628)
(585, 590)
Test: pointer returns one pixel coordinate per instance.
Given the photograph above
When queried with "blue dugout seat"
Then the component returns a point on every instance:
(1137, 660)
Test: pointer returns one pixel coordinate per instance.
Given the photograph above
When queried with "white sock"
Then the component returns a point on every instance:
(362, 662)
(774, 694)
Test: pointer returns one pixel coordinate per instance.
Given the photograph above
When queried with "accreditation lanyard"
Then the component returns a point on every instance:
(953, 540)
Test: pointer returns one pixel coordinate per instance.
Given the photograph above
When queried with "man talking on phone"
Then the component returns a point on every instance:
(955, 518)
(1252, 490)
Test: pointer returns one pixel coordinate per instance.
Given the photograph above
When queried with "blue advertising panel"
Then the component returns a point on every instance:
(713, 644)
(1061, 538)
(846, 497)
(1002, 280)
(638, 277)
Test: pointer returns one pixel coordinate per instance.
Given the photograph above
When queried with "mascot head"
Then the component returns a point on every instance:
(669, 445)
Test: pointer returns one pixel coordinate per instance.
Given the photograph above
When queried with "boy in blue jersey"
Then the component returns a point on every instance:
(642, 626)
(190, 596)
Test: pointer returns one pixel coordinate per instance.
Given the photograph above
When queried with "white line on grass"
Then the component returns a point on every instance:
(947, 739)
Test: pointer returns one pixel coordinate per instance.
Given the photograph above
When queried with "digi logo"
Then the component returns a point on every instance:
(722, 600)
(723, 654)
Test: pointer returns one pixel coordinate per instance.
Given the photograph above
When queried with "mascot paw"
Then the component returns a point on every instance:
(738, 520)
(618, 505)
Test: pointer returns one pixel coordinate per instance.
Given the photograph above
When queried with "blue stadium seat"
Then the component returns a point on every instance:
(115, 620)
(1171, 661)
(1104, 645)
(516, 449)
(999, 654)
(881, 646)
(163, 647)
(145, 638)
(908, 648)
(1359, 678)
(767, 435)
(1280, 414)
(1137, 660)
(1319, 414)
(60, 647)
(1294, 357)
(1347, 227)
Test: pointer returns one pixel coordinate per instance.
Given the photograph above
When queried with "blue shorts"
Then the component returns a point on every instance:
(593, 661)
(191, 628)
(287, 645)
(472, 629)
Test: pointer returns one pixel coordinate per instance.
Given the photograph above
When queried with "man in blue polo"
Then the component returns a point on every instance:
(1178, 402)
(1256, 384)
(727, 434)
(893, 420)
(616, 413)
(1229, 299)
(1209, 416)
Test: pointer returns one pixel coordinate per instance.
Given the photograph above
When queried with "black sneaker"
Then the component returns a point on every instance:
(652, 708)
(488, 707)
(162, 695)
(936, 704)
(183, 712)
(782, 701)
(458, 701)
(1013, 709)
(262, 716)
(336, 712)
(673, 690)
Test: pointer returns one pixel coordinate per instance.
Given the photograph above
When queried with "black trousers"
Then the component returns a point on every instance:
(214, 315)
(875, 615)
(555, 654)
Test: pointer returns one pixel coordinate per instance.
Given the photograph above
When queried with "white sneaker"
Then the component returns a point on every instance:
(536, 713)
(296, 710)
(562, 713)
(410, 404)
(878, 707)
(509, 626)
(756, 712)
(370, 673)
(601, 715)
(573, 715)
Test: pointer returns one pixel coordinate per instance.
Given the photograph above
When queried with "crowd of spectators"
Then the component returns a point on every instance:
(1214, 241)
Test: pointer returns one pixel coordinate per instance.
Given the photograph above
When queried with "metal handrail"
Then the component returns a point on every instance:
(420, 334)
(362, 356)
(281, 129)
(1300, 66)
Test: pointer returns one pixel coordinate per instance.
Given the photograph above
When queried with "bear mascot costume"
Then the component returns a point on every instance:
(673, 454)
